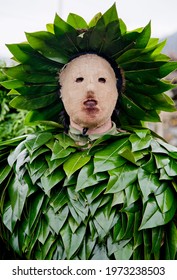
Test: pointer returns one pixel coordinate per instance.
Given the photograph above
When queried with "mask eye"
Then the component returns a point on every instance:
(102, 80)
(79, 80)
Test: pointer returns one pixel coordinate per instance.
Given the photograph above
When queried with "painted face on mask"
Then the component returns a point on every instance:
(88, 90)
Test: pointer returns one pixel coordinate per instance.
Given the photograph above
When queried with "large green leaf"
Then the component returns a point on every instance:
(44, 231)
(124, 251)
(170, 242)
(62, 27)
(58, 151)
(28, 74)
(57, 220)
(77, 21)
(48, 182)
(104, 221)
(34, 208)
(157, 237)
(33, 103)
(37, 141)
(25, 53)
(140, 143)
(153, 217)
(121, 177)
(166, 200)
(18, 193)
(110, 14)
(108, 158)
(148, 183)
(75, 162)
(48, 45)
(4, 172)
(72, 241)
(58, 200)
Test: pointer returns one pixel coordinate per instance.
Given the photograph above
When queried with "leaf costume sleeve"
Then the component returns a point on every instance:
(113, 199)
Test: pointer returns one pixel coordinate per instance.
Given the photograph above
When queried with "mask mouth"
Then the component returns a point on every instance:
(90, 103)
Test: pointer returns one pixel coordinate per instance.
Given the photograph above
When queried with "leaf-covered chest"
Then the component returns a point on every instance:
(67, 196)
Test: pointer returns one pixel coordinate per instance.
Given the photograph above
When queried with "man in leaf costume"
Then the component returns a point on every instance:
(87, 190)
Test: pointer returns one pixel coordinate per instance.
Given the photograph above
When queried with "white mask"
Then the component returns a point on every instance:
(88, 90)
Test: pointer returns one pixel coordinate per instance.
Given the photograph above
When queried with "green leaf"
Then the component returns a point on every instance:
(36, 169)
(65, 141)
(118, 198)
(136, 111)
(72, 241)
(110, 15)
(94, 20)
(157, 237)
(12, 84)
(75, 162)
(170, 242)
(18, 192)
(94, 193)
(58, 200)
(37, 141)
(38, 152)
(62, 27)
(26, 54)
(33, 103)
(7, 217)
(148, 182)
(153, 217)
(140, 143)
(86, 178)
(166, 199)
(53, 164)
(167, 68)
(46, 113)
(44, 231)
(34, 208)
(51, 180)
(132, 194)
(4, 172)
(57, 220)
(48, 45)
(147, 245)
(78, 203)
(144, 37)
(124, 251)
(171, 168)
(15, 153)
(104, 221)
(60, 152)
(150, 165)
(108, 158)
(28, 74)
(48, 244)
(121, 178)
(77, 21)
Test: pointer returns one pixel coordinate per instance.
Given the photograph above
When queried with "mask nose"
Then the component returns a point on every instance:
(91, 87)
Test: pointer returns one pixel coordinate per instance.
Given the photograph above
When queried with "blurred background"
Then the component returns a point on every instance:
(20, 16)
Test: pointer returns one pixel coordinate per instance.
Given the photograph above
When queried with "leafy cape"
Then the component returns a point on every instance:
(115, 200)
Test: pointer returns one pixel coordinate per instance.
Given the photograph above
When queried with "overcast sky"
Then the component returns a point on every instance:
(18, 16)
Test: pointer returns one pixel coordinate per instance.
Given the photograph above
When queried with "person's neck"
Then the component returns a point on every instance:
(97, 130)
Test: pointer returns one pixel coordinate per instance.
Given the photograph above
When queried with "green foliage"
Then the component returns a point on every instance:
(11, 120)
(35, 78)
(114, 200)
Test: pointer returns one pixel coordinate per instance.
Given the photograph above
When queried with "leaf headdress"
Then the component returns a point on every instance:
(35, 78)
